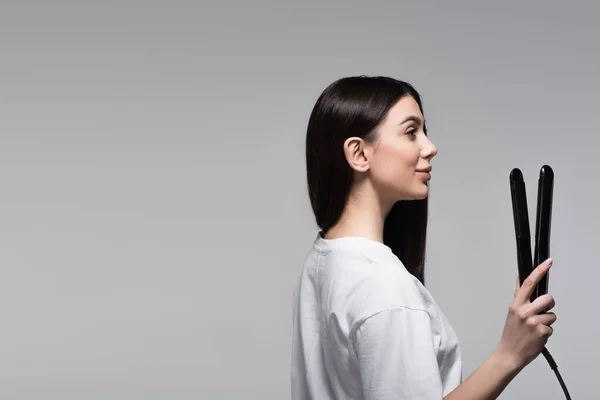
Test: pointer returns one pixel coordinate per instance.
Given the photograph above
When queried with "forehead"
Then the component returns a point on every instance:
(405, 107)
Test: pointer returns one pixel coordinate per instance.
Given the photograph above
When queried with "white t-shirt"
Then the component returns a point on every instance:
(365, 328)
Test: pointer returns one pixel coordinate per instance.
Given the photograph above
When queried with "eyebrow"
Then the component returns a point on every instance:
(413, 119)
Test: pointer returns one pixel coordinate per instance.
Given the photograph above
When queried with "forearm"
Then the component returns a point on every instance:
(487, 381)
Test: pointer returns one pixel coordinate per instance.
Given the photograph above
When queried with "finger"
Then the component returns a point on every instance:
(518, 286)
(528, 284)
(545, 331)
(547, 319)
(543, 319)
(539, 305)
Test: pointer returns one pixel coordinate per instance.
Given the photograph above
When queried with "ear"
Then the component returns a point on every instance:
(357, 154)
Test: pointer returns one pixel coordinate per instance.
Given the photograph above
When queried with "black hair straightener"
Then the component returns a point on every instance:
(542, 237)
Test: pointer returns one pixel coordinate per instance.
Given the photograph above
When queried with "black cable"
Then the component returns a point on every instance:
(554, 367)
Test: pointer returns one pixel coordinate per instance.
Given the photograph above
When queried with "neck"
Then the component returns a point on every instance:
(363, 216)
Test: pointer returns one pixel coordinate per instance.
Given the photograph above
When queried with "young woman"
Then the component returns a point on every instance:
(365, 327)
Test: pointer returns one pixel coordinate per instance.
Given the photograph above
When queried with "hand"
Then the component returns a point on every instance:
(527, 327)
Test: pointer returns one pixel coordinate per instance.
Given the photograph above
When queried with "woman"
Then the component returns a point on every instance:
(365, 327)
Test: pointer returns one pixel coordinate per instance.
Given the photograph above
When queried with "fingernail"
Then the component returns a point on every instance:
(549, 262)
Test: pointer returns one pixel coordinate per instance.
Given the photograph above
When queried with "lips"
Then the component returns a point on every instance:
(426, 172)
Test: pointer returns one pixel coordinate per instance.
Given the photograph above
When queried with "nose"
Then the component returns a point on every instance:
(429, 150)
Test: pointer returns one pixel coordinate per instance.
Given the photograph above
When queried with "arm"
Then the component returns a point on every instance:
(397, 360)
(524, 336)
(487, 381)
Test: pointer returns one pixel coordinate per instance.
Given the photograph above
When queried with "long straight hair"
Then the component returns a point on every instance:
(354, 107)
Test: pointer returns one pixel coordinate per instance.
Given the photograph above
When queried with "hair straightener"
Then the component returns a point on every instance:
(542, 237)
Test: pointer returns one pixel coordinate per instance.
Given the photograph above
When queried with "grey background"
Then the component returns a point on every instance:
(153, 206)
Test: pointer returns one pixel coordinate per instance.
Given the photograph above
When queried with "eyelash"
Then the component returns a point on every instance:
(412, 132)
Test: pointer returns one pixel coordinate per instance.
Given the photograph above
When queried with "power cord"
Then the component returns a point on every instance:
(554, 367)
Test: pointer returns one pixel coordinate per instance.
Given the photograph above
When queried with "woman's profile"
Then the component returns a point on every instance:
(364, 325)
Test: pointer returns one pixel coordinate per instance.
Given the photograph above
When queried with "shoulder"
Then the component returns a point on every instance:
(365, 282)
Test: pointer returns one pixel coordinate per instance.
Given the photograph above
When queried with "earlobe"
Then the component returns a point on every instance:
(356, 153)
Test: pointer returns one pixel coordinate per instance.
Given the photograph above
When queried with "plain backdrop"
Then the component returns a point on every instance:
(154, 215)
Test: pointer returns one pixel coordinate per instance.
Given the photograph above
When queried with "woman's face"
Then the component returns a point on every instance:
(400, 157)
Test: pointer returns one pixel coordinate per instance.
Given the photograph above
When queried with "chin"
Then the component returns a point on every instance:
(422, 194)
(423, 197)
(418, 191)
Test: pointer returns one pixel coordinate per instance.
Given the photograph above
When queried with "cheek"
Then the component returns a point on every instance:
(394, 162)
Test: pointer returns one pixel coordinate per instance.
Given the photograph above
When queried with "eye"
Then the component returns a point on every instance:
(412, 132)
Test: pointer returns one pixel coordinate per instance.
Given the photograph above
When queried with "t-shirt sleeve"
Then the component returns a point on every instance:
(396, 356)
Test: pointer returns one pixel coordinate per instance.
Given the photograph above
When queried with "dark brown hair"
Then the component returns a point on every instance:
(354, 107)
